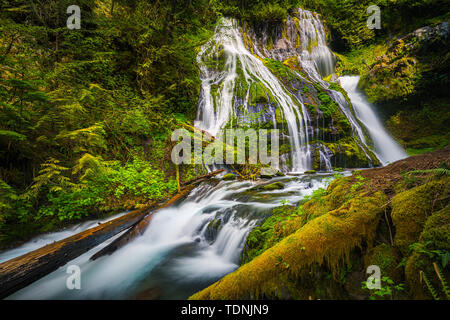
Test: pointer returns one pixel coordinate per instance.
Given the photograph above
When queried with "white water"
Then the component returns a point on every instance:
(385, 147)
(312, 34)
(177, 255)
(48, 238)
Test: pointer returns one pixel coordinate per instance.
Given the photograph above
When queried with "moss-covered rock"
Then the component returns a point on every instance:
(229, 177)
(411, 208)
(386, 258)
(281, 223)
(213, 229)
(434, 238)
(274, 186)
(327, 240)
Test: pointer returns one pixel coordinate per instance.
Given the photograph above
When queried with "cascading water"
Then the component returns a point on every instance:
(234, 67)
(385, 147)
(315, 48)
(216, 110)
(192, 245)
(185, 248)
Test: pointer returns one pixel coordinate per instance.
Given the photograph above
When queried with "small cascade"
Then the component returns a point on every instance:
(315, 48)
(325, 162)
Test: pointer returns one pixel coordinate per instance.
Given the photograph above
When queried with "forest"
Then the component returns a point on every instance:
(87, 116)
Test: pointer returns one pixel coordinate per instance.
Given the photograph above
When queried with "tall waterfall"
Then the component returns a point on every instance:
(215, 111)
(385, 147)
(233, 68)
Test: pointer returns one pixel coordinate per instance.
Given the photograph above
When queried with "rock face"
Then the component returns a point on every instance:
(409, 84)
(269, 76)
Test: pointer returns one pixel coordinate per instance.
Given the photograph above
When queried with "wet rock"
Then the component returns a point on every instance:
(269, 173)
(229, 177)
(213, 229)
(274, 186)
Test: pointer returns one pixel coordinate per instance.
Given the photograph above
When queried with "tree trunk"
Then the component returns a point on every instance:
(19, 272)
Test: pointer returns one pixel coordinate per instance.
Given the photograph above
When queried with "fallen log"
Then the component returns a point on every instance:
(19, 272)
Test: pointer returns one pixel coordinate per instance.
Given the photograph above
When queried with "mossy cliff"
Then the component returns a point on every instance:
(408, 80)
(394, 217)
(279, 46)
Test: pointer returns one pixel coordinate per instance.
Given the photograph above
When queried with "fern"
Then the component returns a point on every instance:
(433, 291)
(441, 277)
(430, 287)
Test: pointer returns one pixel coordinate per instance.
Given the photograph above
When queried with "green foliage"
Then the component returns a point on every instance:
(86, 115)
(101, 184)
(387, 289)
(434, 292)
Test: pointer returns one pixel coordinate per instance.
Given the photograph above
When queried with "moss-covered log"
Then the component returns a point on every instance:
(327, 240)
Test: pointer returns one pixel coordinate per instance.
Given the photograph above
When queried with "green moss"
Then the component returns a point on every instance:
(385, 257)
(411, 208)
(258, 94)
(324, 241)
(229, 177)
(434, 238)
(348, 153)
(274, 229)
(274, 186)
(436, 232)
(279, 69)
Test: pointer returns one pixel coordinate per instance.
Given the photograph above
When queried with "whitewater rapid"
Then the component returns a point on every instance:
(179, 253)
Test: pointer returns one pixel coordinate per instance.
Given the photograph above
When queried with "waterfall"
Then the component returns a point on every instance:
(184, 249)
(233, 70)
(315, 48)
(243, 68)
(385, 147)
